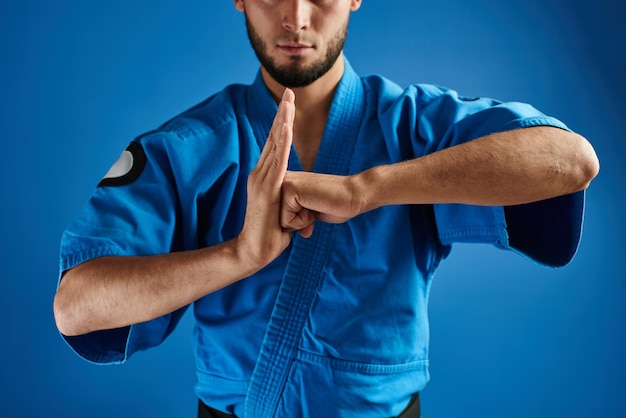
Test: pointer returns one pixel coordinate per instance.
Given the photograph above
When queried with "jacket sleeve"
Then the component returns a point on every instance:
(436, 118)
(133, 211)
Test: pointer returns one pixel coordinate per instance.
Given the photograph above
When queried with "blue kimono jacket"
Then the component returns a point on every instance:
(337, 325)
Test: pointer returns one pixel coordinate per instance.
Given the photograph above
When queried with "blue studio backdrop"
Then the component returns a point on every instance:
(79, 79)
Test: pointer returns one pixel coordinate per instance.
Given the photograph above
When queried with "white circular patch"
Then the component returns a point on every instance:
(122, 166)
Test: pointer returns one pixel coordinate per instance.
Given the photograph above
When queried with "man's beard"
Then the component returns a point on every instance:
(294, 75)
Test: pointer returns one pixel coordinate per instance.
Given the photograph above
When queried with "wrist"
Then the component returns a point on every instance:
(365, 189)
(242, 258)
(250, 256)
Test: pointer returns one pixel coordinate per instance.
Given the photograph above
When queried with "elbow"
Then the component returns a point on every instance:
(574, 164)
(586, 165)
(63, 316)
(65, 309)
(60, 315)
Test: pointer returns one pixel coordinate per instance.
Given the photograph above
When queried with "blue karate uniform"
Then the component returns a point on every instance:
(337, 325)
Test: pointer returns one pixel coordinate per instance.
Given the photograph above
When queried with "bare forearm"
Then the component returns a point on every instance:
(507, 168)
(112, 292)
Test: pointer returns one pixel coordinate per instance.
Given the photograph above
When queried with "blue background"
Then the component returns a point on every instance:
(79, 79)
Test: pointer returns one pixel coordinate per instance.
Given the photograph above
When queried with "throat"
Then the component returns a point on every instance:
(307, 149)
(309, 125)
(307, 137)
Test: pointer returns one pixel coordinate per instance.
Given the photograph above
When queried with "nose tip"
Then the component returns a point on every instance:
(294, 25)
(296, 16)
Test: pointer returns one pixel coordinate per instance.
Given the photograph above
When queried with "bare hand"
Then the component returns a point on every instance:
(307, 197)
(262, 239)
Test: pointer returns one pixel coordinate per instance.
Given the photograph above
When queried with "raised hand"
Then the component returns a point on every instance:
(262, 239)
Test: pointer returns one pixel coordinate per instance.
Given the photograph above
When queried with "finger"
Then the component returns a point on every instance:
(307, 232)
(283, 115)
(283, 149)
(276, 151)
(301, 221)
(290, 98)
(270, 142)
(292, 215)
(288, 113)
(288, 105)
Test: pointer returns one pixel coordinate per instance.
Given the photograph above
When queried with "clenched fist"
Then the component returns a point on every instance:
(307, 197)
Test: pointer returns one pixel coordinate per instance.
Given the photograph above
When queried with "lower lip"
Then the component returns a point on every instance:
(293, 50)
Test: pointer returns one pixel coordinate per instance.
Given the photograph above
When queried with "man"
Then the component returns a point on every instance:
(306, 234)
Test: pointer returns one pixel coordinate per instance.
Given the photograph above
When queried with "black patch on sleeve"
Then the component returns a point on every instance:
(139, 163)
